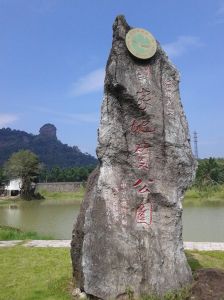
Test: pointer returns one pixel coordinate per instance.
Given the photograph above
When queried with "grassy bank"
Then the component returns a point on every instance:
(9, 233)
(210, 196)
(45, 273)
(77, 196)
(8, 200)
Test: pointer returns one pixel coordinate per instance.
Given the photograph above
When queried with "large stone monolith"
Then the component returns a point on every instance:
(128, 236)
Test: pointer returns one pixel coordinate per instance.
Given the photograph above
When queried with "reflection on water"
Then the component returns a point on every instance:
(56, 218)
(45, 217)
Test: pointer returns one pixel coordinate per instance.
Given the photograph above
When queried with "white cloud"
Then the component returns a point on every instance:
(220, 10)
(90, 83)
(182, 45)
(7, 119)
(219, 19)
(71, 118)
(79, 118)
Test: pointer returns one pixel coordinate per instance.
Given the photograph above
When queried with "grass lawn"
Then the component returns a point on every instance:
(45, 273)
(205, 259)
(35, 273)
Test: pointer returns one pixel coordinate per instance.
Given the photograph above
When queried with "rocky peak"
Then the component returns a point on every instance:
(48, 131)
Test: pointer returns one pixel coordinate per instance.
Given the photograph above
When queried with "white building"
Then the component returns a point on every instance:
(14, 186)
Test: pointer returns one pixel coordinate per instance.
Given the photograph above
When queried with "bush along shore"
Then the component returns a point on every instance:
(208, 187)
(8, 233)
(211, 195)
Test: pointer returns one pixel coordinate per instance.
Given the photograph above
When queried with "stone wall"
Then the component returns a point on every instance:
(59, 186)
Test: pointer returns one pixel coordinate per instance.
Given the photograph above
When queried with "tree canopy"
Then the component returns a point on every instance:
(57, 174)
(210, 172)
(25, 165)
(2, 176)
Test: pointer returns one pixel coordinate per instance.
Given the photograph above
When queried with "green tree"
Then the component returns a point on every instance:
(210, 172)
(57, 174)
(2, 176)
(25, 165)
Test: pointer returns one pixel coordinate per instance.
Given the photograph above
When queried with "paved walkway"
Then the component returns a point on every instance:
(206, 246)
(203, 246)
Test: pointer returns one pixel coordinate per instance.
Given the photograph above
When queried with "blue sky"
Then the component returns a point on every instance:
(53, 54)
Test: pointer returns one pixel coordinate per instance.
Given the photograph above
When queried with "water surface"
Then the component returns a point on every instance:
(56, 218)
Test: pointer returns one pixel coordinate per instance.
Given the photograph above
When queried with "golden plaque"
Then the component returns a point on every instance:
(141, 43)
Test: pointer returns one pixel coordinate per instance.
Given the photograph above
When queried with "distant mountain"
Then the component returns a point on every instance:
(49, 149)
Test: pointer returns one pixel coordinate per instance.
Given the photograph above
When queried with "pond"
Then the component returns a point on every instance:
(56, 218)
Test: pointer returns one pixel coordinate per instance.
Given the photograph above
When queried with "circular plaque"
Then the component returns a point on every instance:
(141, 43)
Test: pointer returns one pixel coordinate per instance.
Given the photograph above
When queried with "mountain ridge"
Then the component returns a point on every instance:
(51, 151)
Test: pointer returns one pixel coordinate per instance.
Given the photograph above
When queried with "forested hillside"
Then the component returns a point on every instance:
(50, 150)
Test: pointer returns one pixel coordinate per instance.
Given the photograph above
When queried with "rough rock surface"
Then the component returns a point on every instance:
(128, 235)
(48, 131)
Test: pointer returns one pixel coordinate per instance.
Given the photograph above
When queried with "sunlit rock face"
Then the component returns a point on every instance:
(128, 236)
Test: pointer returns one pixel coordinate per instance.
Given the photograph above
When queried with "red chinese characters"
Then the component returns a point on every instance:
(141, 126)
(141, 153)
(144, 214)
(142, 162)
(141, 147)
(143, 187)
